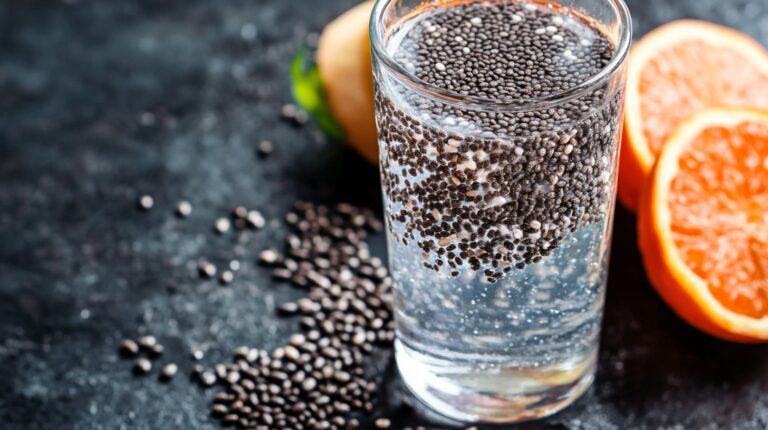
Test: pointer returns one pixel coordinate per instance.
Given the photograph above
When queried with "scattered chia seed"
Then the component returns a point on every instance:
(316, 380)
(156, 350)
(239, 212)
(268, 256)
(129, 348)
(142, 366)
(206, 269)
(383, 423)
(183, 209)
(207, 379)
(147, 342)
(289, 308)
(226, 277)
(222, 225)
(146, 202)
(234, 265)
(495, 191)
(255, 219)
(292, 113)
(265, 148)
(169, 371)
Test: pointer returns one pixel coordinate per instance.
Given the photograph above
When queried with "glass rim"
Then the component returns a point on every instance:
(443, 95)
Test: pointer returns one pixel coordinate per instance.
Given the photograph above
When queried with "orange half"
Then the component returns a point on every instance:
(675, 72)
(703, 223)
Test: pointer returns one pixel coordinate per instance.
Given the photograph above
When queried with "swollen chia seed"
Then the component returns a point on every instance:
(489, 190)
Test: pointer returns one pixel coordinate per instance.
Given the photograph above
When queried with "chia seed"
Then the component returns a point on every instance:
(469, 186)
(316, 379)
(146, 202)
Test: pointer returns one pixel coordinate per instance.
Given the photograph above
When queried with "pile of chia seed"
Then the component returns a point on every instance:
(316, 380)
(496, 190)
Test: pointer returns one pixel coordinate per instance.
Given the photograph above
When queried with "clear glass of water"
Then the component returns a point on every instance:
(499, 125)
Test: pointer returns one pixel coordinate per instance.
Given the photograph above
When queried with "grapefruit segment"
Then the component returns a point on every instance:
(675, 72)
(703, 223)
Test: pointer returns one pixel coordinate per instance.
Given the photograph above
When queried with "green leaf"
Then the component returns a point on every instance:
(308, 92)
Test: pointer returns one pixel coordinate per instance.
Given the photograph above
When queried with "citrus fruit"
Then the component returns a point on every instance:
(674, 72)
(344, 63)
(703, 223)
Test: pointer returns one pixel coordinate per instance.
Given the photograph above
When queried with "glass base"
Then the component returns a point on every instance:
(505, 395)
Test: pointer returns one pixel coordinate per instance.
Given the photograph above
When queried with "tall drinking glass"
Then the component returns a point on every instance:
(498, 125)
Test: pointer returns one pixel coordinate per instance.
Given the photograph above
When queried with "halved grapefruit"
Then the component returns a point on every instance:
(703, 223)
(675, 72)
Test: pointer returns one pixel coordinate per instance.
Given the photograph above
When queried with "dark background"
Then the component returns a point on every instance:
(102, 101)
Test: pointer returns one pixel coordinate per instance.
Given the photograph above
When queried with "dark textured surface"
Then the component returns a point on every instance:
(80, 268)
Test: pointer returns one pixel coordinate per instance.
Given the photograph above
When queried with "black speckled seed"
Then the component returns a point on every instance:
(183, 209)
(481, 180)
(169, 371)
(265, 148)
(142, 366)
(129, 348)
(226, 277)
(146, 202)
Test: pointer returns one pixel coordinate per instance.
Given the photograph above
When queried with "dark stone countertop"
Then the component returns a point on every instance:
(102, 101)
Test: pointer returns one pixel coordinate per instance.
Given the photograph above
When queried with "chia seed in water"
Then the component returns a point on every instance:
(498, 219)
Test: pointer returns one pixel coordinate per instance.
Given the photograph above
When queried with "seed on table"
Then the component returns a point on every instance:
(146, 202)
(206, 269)
(226, 277)
(289, 110)
(265, 148)
(297, 340)
(197, 354)
(183, 209)
(222, 225)
(291, 218)
(383, 423)
(268, 256)
(222, 398)
(142, 366)
(234, 265)
(219, 409)
(281, 274)
(147, 342)
(230, 419)
(301, 117)
(156, 350)
(239, 212)
(221, 371)
(288, 308)
(207, 378)
(255, 219)
(233, 377)
(129, 348)
(253, 355)
(169, 371)
(312, 380)
(242, 351)
(309, 384)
